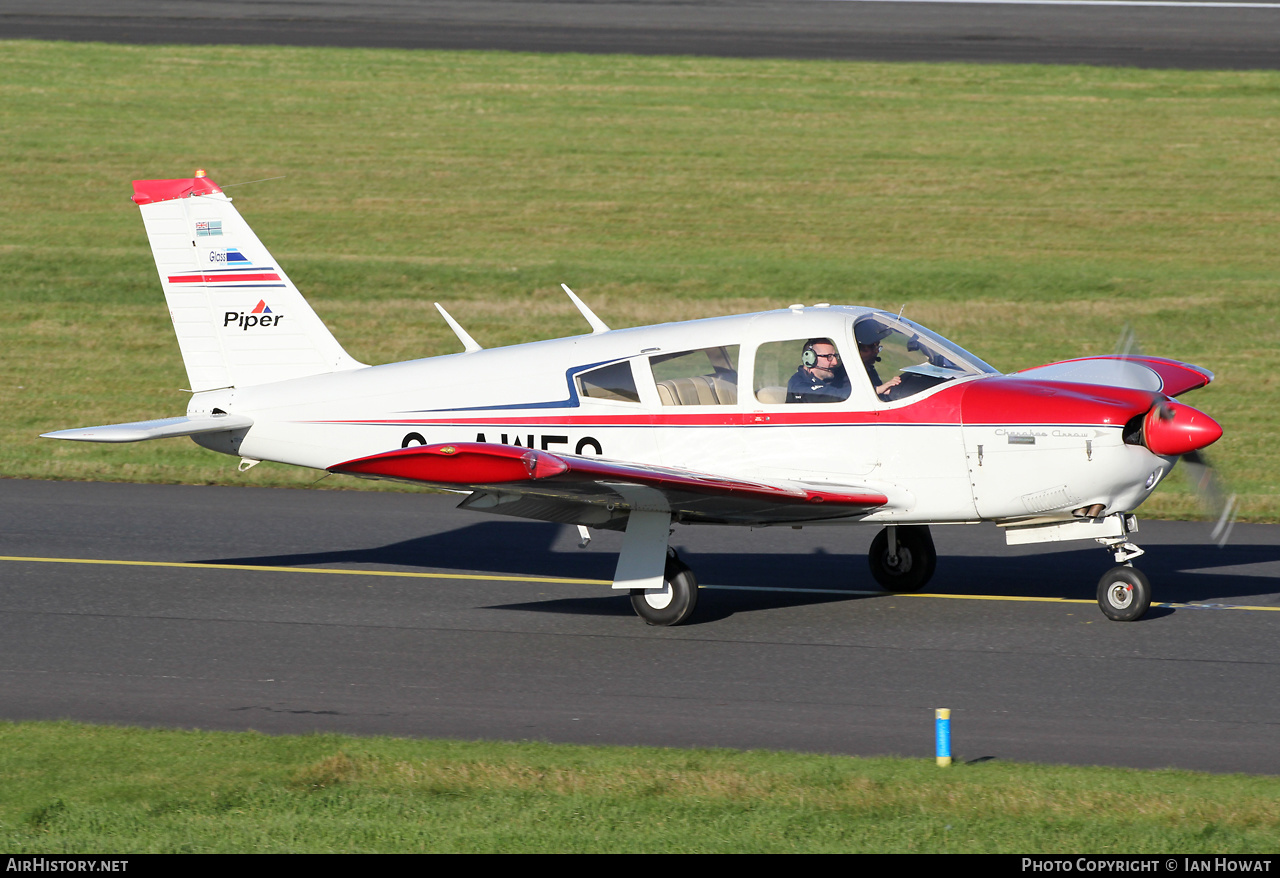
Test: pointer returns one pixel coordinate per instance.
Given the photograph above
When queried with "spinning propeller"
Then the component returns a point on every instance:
(1172, 429)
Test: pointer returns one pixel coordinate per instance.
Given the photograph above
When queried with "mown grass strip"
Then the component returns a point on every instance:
(75, 788)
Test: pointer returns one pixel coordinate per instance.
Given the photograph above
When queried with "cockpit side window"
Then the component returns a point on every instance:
(902, 359)
(614, 382)
(801, 370)
(708, 376)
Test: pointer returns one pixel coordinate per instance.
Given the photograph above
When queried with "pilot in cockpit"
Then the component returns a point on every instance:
(869, 335)
(821, 376)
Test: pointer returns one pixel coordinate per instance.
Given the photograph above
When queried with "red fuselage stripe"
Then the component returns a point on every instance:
(856, 419)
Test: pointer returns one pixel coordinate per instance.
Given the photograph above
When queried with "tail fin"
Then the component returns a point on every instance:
(239, 319)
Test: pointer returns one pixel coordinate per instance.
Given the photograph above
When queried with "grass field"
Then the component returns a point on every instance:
(1027, 212)
(71, 788)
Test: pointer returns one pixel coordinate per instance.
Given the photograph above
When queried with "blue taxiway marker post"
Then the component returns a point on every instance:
(942, 723)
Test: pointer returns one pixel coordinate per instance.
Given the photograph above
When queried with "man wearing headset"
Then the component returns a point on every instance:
(821, 376)
(868, 336)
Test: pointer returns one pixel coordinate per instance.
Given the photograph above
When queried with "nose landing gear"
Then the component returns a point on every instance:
(1124, 594)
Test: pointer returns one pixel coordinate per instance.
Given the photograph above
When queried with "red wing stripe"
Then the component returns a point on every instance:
(462, 463)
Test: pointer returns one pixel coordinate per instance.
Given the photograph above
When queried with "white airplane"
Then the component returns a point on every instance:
(779, 418)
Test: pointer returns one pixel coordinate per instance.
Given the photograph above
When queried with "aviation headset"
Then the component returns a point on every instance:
(808, 357)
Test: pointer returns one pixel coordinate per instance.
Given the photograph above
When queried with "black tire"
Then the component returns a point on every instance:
(674, 603)
(916, 560)
(1124, 594)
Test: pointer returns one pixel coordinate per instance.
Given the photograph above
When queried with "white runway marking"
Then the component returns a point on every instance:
(978, 597)
(1262, 569)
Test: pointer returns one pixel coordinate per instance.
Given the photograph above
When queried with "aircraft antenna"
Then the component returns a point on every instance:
(468, 342)
(597, 325)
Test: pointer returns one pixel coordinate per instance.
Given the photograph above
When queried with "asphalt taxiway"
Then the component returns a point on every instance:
(382, 613)
(1160, 33)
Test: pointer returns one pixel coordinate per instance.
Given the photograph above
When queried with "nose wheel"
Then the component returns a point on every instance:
(902, 557)
(1124, 594)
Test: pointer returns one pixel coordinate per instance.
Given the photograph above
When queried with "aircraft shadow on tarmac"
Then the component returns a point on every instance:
(790, 578)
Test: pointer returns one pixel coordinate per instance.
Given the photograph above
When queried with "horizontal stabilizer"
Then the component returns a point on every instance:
(164, 428)
(1169, 377)
(589, 481)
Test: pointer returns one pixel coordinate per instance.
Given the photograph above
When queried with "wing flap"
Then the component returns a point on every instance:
(523, 478)
(164, 428)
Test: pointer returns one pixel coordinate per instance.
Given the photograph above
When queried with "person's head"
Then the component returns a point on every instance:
(820, 358)
(868, 336)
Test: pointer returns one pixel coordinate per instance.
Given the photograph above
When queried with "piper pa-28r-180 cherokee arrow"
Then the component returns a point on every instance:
(770, 419)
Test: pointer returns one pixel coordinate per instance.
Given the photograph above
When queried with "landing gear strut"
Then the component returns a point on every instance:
(902, 557)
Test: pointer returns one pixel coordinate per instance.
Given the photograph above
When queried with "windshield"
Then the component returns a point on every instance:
(902, 358)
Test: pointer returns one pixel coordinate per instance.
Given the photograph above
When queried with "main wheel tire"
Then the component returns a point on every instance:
(1124, 594)
(912, 567)
(672, 604)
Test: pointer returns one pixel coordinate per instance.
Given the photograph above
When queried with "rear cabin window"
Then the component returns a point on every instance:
(708, 376)
(614, 381)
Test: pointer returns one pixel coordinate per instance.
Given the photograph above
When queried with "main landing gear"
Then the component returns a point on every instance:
(675, 601)
(902, 557)
(663, 589)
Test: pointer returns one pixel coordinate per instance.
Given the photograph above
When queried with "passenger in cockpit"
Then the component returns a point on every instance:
(821, 376)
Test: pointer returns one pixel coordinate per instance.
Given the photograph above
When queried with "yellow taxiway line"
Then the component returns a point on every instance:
(192, 565)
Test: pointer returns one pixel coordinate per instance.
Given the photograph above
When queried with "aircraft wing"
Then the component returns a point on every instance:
(1169, 377)
(524, 482)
